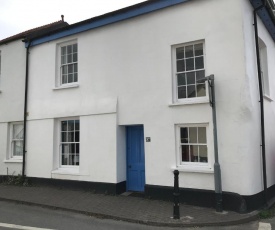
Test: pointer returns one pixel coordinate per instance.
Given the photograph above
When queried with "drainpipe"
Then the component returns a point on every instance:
(261, 99)
(25, 108)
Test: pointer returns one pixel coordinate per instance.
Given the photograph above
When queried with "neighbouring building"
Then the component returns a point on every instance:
(113, 102)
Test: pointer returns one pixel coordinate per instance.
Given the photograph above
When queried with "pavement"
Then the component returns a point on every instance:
(121, 207)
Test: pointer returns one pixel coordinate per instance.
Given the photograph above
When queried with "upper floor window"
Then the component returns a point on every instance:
(188, 68)
(264, 67)
(17, 135)
(69, 64)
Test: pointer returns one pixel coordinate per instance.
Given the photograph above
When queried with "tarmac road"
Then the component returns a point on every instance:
(19, 216)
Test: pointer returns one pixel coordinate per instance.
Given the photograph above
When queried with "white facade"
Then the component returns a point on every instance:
(126, 76)
(12, 85)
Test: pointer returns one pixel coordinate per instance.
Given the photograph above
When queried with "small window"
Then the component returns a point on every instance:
(69, 144)
(67, 64)
(193, 145)
(17, 135)
(189, 67)
(264, 67)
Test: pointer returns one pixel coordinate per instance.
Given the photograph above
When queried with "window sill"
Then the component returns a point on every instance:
(268, 98)
(13, 160)
(66, 86)
(203, 100)
(67, 171)
(193, 169)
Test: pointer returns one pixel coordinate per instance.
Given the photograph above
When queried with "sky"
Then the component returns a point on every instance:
(17, 16)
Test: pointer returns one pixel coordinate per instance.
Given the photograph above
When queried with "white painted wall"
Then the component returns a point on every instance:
(251, 82)
(125, 78)
(12, 86)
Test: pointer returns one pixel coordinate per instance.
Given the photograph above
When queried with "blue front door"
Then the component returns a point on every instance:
(135, 158)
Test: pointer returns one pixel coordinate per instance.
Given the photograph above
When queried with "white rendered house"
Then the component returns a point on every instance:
(114, 106)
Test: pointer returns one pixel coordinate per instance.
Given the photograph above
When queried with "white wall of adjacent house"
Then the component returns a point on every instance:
(125, 73)
(12, 85)
(252, 94)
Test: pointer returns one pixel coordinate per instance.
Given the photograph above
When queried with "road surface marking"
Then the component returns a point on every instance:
(13, 226)
(264, 226)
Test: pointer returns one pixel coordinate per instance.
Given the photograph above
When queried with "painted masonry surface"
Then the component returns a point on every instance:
(113, 103)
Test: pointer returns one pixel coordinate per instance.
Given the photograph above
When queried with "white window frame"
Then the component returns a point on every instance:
(60, 143)
(206, 167)
(58, 78)
(176, 100)
(11, 155)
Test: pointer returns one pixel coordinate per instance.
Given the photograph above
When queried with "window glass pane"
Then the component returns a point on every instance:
(70, 136)
(70, 68)
(190, 76)
(70, 78)
(182, 92)
(189, 51)
(64, 137)
(76, 124)
(71, 159)
(75, 48)
(71, 125)
(76, 159)
(64, 69)
(193, 135)
(63, 50)
(64, 79)
(17, 148)
(75, 57)
(201, 91)
(180, 53)
(191, 91)
(203, 153)
(64, 148)
(63, 59)
(194, 152)
(184, 135)
(18, 131)
(64, 159)
(75, 77)
(189, 64)
(77, 136)
(64, 126)
(200, 74)
(69, 49)
(71, 148)
(69, 58)
(181, 79)
(185, 153)
(199, 63)
(180, 66)
(202, 135)
(198, 50)
(75, 68)
(77, 148)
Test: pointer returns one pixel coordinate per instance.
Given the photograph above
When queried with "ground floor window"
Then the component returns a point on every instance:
(193, 144)
(17, 136)
(70, 145)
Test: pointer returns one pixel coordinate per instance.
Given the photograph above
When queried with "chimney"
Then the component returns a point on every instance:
(62, 17)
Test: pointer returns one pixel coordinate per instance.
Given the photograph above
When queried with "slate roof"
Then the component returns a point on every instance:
(38, 31)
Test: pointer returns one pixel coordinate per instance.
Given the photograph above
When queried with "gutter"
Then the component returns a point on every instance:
(25, 109)
(261, 100)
